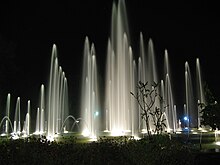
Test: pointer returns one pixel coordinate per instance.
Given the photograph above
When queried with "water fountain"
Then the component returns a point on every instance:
(57, 103)
(119, 75)
(56, 111)
(167, 94)
(121, 112)
(122, 76)
(90, 107)
(40, 119)
(147, 72)
(27, 121)
(42, 108)
(37, 129)
(200, 91)
(6, 118)
(191, 108)
(17, 118)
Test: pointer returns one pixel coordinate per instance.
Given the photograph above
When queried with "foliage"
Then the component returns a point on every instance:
(147, 97)
(121, 150)
(210, 110)
(211, 115)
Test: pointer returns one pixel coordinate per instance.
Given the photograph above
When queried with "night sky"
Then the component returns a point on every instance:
(28, 31)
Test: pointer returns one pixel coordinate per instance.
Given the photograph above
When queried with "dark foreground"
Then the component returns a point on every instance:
(121, 150)
(208, 158)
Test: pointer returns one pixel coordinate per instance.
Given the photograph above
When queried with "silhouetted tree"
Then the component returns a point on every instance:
(210, 111)
(147, 97)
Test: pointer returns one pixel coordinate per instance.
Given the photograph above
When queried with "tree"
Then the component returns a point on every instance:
(147, 97)
(210, 110)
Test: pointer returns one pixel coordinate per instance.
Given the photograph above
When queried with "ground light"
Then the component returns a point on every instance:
(186, 118)
(85, 132)
(96, 113)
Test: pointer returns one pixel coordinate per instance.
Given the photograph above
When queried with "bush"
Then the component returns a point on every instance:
(121, 150)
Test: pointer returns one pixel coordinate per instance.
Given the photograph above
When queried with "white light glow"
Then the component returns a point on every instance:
(86, 133)
(117, 132)
(203, 130)
(3, 134)
(93, 139)
(50, 138)
(36, 133)
(143, 131)
(15, 137)
(24, 136)
(178, 132)
(96, 113)
(169, 130)
(137, 138)
(217, 131)
(65, 131)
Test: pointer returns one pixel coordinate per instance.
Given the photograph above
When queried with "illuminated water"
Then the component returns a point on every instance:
(6, 121)
(27, 125)
(120, 113)
(90, 107)
(120, 80)
(17, 118)
(191, 102)
(167, 95)
(200, 90)
(57, 97)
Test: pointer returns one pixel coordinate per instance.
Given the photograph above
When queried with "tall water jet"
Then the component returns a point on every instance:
(200, 91)
(42, 108)
(90, 107)
(190, 100)
(152, 75)
(175, 122)
(37, 128)
(152, 69)
(134, 106)
(166, 63)
(142, 68)
(17, 118)
(142, 61)
(119, 73)
(7, 113)
(28, 119)
(57, 96)
(147, 72)
(169, 103)
(170, 109)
